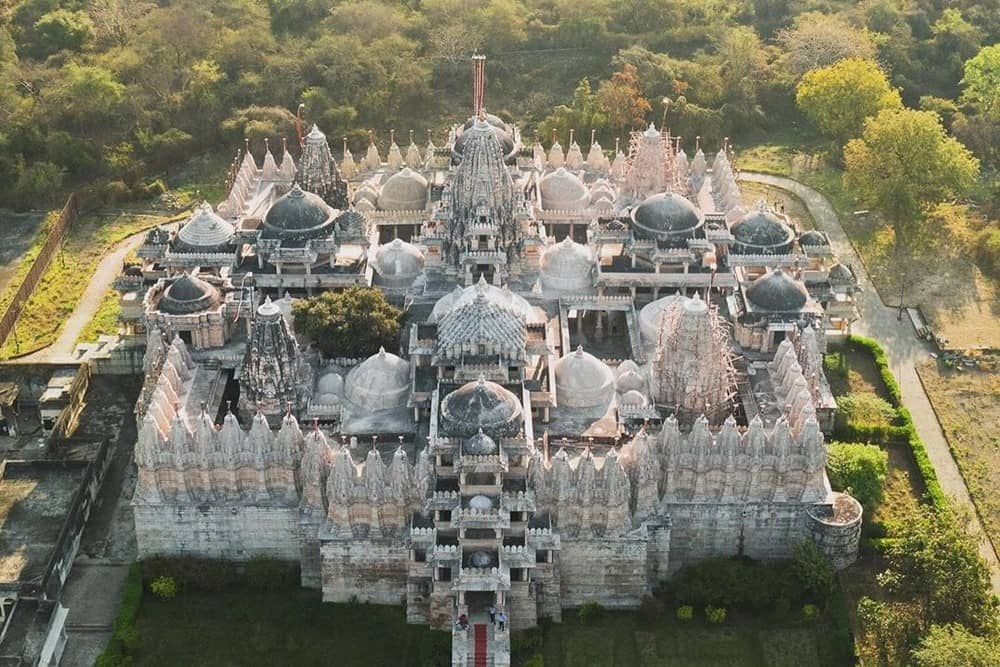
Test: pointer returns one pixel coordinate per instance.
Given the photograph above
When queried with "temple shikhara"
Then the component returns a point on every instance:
(610, 366)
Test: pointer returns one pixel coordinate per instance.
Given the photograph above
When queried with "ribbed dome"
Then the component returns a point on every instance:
(205, 230)
(627, 366)
(329, 389)
(841, 274)
(380, 382)
(398, 262)
(629, 381)
(366, 192)
(480, 445)
(652, 313)
(189, 294)
(406, 190)
(602, 189)
(350, 223)
(494, 125)
(459, 297)
(583, 381)
(813, 238)
(562, 190)
(566, 267)
(762, 231)
(481, 405)
(777, 291)
(298, 214)
(665, 217)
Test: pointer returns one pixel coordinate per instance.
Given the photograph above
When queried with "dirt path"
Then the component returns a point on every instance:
(903, 350)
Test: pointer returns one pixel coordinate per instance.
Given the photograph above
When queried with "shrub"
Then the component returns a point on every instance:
(858, 469)
(731, 582)
(685, 613)
(810, 612)
(987, 250)
(164, 588)
(812, 571)
(590, 612)
(537, 660)
(715, 615)
(864, 408)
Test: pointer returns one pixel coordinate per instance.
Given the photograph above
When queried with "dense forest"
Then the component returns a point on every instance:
(125, 89)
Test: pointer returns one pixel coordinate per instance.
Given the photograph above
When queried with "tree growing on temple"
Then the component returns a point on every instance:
(354, 323)
(839, 98)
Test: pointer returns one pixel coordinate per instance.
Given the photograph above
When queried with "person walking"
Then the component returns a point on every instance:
(493, 614)
(502, 620)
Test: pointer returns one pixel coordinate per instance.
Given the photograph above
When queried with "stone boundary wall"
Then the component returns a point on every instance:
(68, 215)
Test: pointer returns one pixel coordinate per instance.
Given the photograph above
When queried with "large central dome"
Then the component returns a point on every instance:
(666, 217)
(298, 214)
(481, 406)
(494, 124)
(189, 294)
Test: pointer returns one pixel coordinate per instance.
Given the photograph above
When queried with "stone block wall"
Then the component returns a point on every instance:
(707, 530)
(369, 570)
(236, 532)
(611, 572)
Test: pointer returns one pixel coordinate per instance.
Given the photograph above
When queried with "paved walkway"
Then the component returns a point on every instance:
(90, 302)
(903, 350)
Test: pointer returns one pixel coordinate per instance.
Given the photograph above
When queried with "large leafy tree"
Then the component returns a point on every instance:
(982, 82)
(935, 562)
(621, 101)
(817, 40)
(840, 97)
(353, 323)
(954, 646)
(583, 115)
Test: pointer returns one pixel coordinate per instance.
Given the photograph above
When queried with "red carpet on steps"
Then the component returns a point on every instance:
(480, 639)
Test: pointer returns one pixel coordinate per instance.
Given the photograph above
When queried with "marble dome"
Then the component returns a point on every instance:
(627, 366)
(481, 405)
(298, 215)
(329, 388)
(406, 190)
(480, 445)
(762, 232)
(630, 381)
(652, 313)
(500, 130)
(398, 262)
(602, 189)
(666, 217)
(189, 294)
(777, 291)
(583, 381)
(461, 296)
(205, 230)
(481, 503)
(566, 267)
(562, 190)
(634, 398)
(380, 382)
(841, 274)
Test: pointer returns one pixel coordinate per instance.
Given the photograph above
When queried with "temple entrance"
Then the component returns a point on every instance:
(479, 602)
(484, 270)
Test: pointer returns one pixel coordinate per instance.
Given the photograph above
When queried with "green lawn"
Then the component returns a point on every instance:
(624, 639)
(287, 627)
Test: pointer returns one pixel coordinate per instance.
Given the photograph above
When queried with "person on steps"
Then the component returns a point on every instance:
(493, 614)
(502, 620)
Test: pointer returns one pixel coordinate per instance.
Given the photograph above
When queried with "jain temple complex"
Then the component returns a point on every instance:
(609, 366)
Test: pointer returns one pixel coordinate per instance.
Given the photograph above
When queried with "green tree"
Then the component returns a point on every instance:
(583, 115)
(954, 646)
(891, 628)
(838, 98)
(812, 570)
(982, 82)
(62, 30)
(817, 40)
(935, 562)
(858, 469)
(353, 323)
(37, 183)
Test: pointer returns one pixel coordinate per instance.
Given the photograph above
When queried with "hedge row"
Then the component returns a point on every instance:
(125, 637)
(906, 431)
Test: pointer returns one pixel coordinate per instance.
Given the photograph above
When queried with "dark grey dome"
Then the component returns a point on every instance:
(480, 559)
(762, 232)
(841, 274)
(480, 445)
(351, 223)
(189, 294)
(298, 214)
(666, 216)
(777, 291)
(481, 406)
(813, 237)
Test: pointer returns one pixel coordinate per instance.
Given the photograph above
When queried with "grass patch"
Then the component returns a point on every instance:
(105, 321)
(633, 639)
(966, 404)
(282, 627)
(67, 276)
(27, 259)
